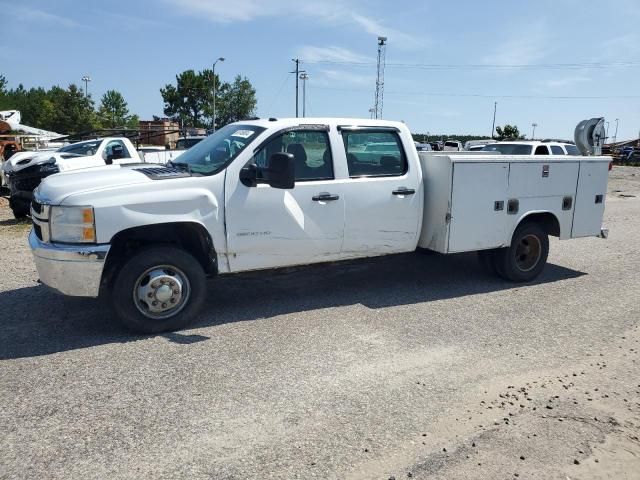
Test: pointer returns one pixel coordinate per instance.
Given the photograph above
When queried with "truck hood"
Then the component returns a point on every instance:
(55, 188)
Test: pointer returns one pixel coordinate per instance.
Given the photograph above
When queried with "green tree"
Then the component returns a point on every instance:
(3, 85)
(508, 132)
(190, 100)
(237, 101)
(72, 112)
(114, 111)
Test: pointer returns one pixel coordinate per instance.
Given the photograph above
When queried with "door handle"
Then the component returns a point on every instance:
(404, 191)
(325, 197)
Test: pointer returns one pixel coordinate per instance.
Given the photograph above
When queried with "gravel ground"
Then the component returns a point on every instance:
(410, 366)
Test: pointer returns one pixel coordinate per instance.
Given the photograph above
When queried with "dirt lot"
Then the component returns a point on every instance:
(413, 366)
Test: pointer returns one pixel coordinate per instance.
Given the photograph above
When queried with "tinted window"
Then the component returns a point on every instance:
(508, 148)
(115, 149)
(572, 150)
(557, 150)
(542, 150)
(451, 144)
(187, 143)
(374, 153)
(310, 149)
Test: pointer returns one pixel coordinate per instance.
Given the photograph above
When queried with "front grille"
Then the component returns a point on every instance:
(37, 230)
(36, 207)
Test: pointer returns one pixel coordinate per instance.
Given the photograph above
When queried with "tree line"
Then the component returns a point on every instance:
(189, 102)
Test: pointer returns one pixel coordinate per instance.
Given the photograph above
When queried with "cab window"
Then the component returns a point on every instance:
(310, 149)
(542, 150)
(374, 153)
(557, 150)
(115, 149)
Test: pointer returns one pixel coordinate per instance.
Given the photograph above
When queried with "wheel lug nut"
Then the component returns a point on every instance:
(173, 300)
(154, 303)
(176, 292)
(164, 305)
(173, 284)
(150, 295)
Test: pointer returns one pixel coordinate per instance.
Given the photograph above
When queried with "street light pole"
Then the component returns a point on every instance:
(533, 134)
(221, 59)
(86, 79)
(493, 128)
(615, 135)
(304, 77)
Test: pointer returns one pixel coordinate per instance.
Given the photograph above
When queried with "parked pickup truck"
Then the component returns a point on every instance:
(25, 170)
(274, 193)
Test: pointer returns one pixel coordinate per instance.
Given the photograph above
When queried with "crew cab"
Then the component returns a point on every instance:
(25, 171)
(264, 194)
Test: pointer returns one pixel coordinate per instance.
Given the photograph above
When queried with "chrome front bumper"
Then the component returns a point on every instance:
(74, 270)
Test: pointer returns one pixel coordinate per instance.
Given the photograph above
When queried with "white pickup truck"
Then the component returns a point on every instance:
(25, 170)
(274, 193)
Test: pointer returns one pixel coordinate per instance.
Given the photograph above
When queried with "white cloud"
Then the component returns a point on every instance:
(521, 47)
(27, 14)
(342, 78)
(329, 12)
(566, 81)
(331, 54)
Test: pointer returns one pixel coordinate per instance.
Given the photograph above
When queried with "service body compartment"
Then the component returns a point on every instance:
(475, 202)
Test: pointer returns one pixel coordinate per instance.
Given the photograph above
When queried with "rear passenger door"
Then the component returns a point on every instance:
(382, 194)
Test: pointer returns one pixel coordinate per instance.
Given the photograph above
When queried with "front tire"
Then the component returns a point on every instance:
(158, 289)
(527, 255)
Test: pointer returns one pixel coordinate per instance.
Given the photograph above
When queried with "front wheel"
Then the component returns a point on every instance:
(527, 255)
(158, 289)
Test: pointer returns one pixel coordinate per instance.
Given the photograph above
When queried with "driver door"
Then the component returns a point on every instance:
(269, 227)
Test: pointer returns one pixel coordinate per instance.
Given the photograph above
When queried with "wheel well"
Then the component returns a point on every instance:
(546, 220)
(190, 236)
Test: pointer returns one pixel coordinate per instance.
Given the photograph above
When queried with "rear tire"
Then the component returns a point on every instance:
(527, 255)
(158, 289)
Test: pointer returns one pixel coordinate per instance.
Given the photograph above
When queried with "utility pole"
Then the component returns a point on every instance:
(379, 98)
(86, 79)
(533, 134)
(221, 59)
(493, 127)
(304, 77)
(606, 135)
(297, 72)
(615, 135)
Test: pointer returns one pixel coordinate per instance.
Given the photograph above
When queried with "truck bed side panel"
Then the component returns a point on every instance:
(477, 222)
(590, 198)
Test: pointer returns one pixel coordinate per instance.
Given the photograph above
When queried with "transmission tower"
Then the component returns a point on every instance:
(379, 100)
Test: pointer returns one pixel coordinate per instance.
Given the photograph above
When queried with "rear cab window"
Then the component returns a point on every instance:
(557, 150)
(374, 153)
(541, 150)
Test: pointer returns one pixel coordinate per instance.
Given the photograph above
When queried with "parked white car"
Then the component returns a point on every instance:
(452, 146)
(267, 194)
(475, 145)
(532, 148)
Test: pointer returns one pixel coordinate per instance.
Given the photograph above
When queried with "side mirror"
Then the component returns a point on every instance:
(109, 159)
(280, 171)
(249, 175)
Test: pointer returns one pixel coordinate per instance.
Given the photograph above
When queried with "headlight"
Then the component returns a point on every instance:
(73, 225)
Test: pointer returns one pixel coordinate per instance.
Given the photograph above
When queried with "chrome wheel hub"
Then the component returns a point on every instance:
(161, 292)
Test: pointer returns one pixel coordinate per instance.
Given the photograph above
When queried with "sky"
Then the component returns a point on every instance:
(549, 62)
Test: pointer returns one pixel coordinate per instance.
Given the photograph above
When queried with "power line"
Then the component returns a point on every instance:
(478, 66)
(479, 95)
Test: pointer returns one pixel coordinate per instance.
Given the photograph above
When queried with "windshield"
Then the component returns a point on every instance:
(82, 148)
(508, 148)
(216, 151)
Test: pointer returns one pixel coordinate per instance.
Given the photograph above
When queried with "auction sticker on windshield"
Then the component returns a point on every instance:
(243, 133)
